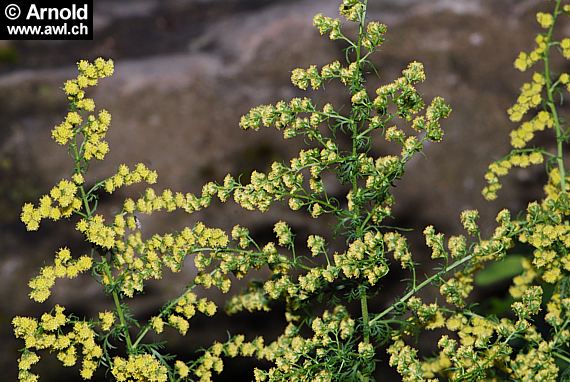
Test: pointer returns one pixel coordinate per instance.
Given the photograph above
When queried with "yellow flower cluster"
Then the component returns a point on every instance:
(93, 128)
(558, 309)
(94, 132)
(139, 260)
(128, 177)
(106, 320)
(397, 244)
(298, 358)
(139, 368)
(283, 233)
(526, 60)
(457, 246)
(393, 134)
(97, 232)
(262, 189)
(522, 281)
(565, 46)
(405, 359)
(49, 334)
(152, 202)
(553, 187)
(428, 316)
(316, 245)
(157, 324)
(525, 133)
(314, 280)
(352, 10)
(283, 113)
(530, 98)
(181, 369)
(346, 75)
(65, 131)
(253, 300)
(380, 174)
(375, 32)
(187, 305)
(547, 239)
(457, 289)
(240, 263)
(184, 310)
(64, 267)
(327, 25)
(302, 78)
(61, 202)
(365, 258)
(530, 304)
(288, 182)
(211, 361)
(457, 361)
(431, 367)
(435, 243)
(469, 221)
(546, 20)
(178, 323)
(25, 363)
(241, 234)
(535, 365)
(89, 74)
(477, 331)
(53, 322)
(281, 286)
(403, 93)
(501, 168)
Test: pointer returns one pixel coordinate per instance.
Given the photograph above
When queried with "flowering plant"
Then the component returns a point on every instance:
(325, 338)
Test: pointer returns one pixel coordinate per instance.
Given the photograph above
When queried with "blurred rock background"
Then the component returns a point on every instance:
(188, 69)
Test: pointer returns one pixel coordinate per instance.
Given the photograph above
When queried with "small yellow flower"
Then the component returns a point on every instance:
(182, 369)
(546, 20)
(107, 319)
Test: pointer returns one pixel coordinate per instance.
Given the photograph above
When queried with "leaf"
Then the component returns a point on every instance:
(502, 270)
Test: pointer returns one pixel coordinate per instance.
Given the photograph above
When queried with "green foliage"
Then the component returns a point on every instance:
(503, 270)
(317, 345)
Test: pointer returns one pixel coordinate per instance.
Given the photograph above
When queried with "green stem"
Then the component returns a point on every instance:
(355, 138)
(420, 286)
(365, 316)
(560, 138)
(314, 200)
(88, 215)
(562, 357)
(121, 314)
(141, 335)
(164, 310)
